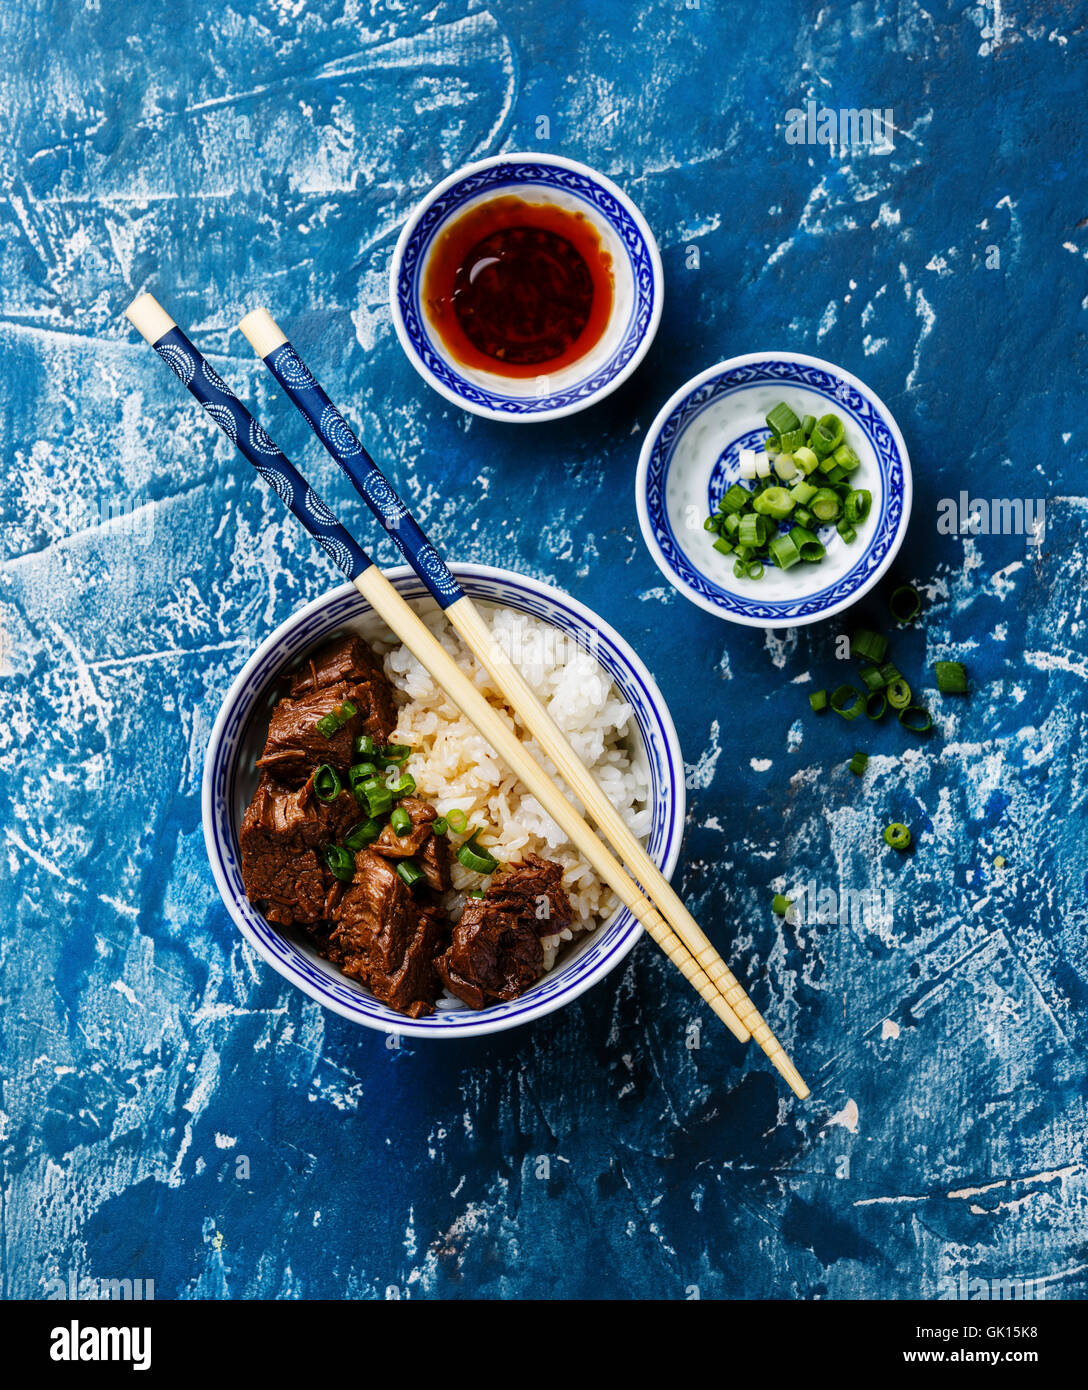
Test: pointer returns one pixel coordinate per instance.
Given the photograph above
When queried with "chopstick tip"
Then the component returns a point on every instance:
(262, 331)
(149, 318)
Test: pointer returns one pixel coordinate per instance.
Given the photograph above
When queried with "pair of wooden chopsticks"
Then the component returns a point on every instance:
(655, 904)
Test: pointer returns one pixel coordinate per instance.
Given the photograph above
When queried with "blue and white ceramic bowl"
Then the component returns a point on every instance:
(692, 454)
(230, 777)
(636, 306)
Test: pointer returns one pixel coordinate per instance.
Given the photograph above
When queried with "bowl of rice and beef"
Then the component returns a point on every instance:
(372, 848)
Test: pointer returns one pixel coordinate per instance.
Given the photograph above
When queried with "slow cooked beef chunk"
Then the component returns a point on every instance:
(342, 670)
(419, 842)
(495, 952)
(535, 887)
(343, 659)
(281, 832)
(386, 938)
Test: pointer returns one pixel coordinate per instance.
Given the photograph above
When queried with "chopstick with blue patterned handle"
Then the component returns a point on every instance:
(304, 391)
(228, 412)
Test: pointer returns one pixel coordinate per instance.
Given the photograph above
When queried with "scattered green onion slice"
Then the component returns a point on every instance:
(805, 459)
(783, 551)
(810, 545)
(405, 787)
(396, 752)
(363, 834)
(401, 822)
(870, 645)
(440, 826)
(830, 427)
(358, 773)
(780, 904)
(474, 894)
(722, 546)
(364, 746)
(781, 419)
(847, 701)
(409, 872)
(736, 498)
(808, 423)
(377, 796)
(825, 505)
(713, 523)
(898, 694)
(473, 857)
(341, 863)
(846, 531)
(876, 711)
(905, 604)
(792, 439)
(755, 569)
(457, 821)
(859, 762)
(774, 502)
(327, 784)
(872, 679)
(846, 459)
(889, 673)
(897, 835)
(916, 718)
(951, 677)
(818, 700)
(857, 504)
(334, 721)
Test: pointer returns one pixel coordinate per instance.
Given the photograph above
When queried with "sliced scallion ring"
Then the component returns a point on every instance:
(847, 701)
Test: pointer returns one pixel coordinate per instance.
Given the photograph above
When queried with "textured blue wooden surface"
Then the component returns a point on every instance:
(266, 151)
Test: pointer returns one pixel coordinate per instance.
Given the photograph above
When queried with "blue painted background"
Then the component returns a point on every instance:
(266, 151)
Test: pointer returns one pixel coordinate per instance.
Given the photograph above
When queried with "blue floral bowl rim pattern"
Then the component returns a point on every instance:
(245, 701)
(868, 413)
(510, 171)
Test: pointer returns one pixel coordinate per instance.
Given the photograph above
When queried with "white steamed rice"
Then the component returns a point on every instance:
(454, 767)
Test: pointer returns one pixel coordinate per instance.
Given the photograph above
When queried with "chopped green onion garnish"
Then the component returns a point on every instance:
(341, 863)
(905, 604)
(457, 821)
(780, 904)
(473, 857)
(805, 459)
(889, 673)
(358, 773)
(405, 787)
(364, 746)
(327, 784)
(825, 505)
(736, 499)
(818, 700)
(856, 506)
(830, 427)
(409, 872)
(440, 826)
(722, 546)
(755, 569)
(712, 523)
(474, 894)
(916, 718)
(898, 694)
(808, 423)
(328, 725)
(870, 645)
(792, 439)
(401, 821)
(859, 762)
(810, 546)
(846, 459)
(783, 552)
(377, 796)
(804, 517)
(876, 704)
(782, 419)
(774, 502)
(896, 835)
(363, 834)
(802, 493)
(951, 678)
(396, 752)
(846, 531)
(872, 679)
(847, 701)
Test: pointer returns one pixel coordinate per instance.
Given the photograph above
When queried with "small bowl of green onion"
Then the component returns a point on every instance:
(774, 489)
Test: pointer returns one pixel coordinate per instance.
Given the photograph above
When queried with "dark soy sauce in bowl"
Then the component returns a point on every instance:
(519, 289)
